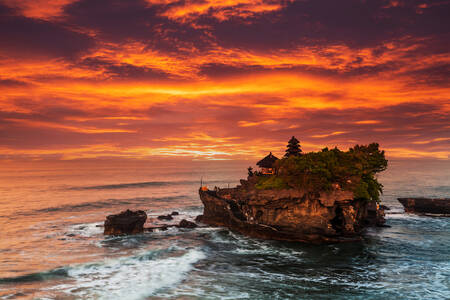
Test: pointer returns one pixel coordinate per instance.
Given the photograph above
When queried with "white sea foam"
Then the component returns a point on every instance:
(129, 277)
(85, 230)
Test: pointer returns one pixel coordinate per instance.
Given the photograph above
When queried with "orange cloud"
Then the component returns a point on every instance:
(40, 9)
(368, 122)
(431, 141)
(250, 124)
(88, 130)
(222, 10)
(328, 134)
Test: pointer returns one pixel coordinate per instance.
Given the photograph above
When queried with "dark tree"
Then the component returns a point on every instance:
(293, 148)
(250, 171)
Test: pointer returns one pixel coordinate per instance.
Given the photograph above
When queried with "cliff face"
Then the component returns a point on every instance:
(290, 214)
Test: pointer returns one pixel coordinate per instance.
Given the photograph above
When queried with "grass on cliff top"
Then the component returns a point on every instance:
(271, 182)
(354, 170)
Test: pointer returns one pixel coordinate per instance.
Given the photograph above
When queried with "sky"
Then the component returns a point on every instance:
(229, 79)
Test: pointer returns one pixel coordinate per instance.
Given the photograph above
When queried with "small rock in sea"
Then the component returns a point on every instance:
(18, 295)
(126, 222)
(198, 218)
(384, 226)
(435, 206)
(224, 232)
(165, 217)
(71, 234)
(384, 207)
(187, 224)
(175, 213)
(99, 225)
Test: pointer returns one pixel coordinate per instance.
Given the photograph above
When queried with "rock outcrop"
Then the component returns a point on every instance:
(126, 222)
(438, 206)
(375, 214)
(288, 214)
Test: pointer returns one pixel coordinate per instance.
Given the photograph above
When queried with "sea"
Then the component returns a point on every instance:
(52, 244)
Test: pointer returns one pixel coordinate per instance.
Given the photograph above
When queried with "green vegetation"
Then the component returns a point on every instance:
(353, 170)
(250, 171)
(271, 182)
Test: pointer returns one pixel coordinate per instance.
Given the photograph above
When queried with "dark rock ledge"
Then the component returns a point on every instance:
(433, 206)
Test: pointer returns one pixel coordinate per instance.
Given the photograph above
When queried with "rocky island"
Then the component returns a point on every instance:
(431, 206)
(318, 197)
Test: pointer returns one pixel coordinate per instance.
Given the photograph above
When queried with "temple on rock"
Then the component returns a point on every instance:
(267, 164)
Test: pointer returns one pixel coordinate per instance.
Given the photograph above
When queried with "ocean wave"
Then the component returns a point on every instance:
(85, 230)
(135, 277)
(107, 203)
(40, 276)
(136, 185)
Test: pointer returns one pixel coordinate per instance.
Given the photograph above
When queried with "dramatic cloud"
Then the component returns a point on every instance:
(222, 79)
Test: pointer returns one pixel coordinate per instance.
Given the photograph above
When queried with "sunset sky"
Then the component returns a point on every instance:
(222, 79)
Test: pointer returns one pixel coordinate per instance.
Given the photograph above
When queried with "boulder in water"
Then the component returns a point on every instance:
(175, 213)
(126, 222)
(165, 217)
(187, 224)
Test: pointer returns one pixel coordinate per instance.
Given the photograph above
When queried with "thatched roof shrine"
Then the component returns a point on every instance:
(268, 161)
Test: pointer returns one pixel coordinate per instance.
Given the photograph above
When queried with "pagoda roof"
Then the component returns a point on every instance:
(268, 161)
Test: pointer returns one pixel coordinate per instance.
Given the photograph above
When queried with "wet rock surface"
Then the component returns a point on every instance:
(126, 222)
(289, 214)
(165, 217)
(438, 206)
(187, 224)
(376, 214)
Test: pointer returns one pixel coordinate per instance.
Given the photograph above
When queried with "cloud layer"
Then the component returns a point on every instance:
(222, 79)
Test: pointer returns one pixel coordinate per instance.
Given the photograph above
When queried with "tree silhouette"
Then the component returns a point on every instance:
(293, 148)
(250, 171)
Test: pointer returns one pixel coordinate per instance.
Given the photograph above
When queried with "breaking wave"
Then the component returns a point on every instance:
(108, 203)
(135, 277)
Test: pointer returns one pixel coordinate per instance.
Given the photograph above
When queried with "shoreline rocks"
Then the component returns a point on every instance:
(126, 222)
(376, 214)
(132, 222)
(435, 206)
